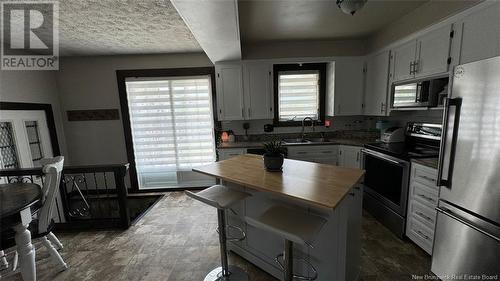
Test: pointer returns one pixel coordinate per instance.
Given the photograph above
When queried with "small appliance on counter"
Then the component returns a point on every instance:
(393, 134)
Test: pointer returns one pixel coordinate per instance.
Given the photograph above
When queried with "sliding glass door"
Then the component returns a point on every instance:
(172, 128)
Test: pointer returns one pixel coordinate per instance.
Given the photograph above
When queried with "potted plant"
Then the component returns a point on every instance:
(274, 155)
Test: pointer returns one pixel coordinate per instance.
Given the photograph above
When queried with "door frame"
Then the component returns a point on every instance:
(121, 76)
(49, 116)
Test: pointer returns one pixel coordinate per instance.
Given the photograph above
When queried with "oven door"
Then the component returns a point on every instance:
(386, 179)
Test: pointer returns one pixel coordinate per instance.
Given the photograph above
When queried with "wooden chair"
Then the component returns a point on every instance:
(41, 226)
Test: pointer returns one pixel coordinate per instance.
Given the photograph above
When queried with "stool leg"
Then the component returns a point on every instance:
(221, 215)
(288, 260)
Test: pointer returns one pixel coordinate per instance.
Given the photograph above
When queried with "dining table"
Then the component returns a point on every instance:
(18, 203)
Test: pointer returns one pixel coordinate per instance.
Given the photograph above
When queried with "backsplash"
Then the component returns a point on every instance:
(340, 123)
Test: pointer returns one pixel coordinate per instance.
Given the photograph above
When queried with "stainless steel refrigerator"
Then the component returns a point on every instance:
(467, 235)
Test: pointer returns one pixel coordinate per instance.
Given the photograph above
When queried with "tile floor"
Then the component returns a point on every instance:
(177, 241)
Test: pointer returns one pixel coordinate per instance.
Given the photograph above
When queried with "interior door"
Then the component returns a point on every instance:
(24, 141)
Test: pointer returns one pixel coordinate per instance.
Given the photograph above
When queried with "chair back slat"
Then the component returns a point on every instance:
(52, 170)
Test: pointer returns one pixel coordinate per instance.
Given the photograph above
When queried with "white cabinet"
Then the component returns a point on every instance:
(244, 91)
(403, 58)
(257, 78)
(348, 79)
(325, 154)
(481, 34)
(377, 75)
(226, 153)
(349, 156)
(433, 52)
(353, 253)
(422, 202)
(427, 55)
(230, 102)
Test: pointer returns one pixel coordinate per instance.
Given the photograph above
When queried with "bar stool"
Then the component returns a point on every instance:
(294, 226)
(222, 197)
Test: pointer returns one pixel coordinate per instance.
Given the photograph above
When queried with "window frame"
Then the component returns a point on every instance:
(321, 67)
(121, 76)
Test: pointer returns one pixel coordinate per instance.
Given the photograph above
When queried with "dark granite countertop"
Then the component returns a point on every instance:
(428, 162)
(258, 144)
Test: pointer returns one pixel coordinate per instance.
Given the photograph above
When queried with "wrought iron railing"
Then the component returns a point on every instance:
(90, 196)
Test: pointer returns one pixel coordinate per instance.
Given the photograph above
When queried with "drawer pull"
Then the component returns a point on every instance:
(422, 234)
(426, 198)
(423, 216)
(427, 178)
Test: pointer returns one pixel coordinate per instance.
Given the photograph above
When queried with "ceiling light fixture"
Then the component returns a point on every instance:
(350, 6)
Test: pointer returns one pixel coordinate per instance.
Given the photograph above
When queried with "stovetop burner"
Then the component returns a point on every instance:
(404, 150)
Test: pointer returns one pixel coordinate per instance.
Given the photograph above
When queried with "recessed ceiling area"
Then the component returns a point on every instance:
(117, 27)
(315, 19)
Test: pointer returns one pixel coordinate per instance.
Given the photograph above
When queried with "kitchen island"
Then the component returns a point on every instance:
(325, 190)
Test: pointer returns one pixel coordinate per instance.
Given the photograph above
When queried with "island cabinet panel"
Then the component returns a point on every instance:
(335, 253)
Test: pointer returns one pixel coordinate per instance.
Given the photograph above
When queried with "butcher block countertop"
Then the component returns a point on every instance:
(318, 184)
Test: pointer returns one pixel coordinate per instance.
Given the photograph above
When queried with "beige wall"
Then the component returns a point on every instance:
(34, 87)
(420, 18)
(90, 83)
(301, 49)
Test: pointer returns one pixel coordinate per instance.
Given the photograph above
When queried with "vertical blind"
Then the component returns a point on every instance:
(298, 93)
(172, 129)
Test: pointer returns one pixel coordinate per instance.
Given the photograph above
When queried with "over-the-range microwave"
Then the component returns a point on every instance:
(423, 93)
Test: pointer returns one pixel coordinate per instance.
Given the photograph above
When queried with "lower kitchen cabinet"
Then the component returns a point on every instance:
(422, 202)
(226, 153)
(325, 154)
(349, 156)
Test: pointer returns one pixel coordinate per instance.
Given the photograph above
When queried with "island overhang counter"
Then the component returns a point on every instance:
(332, 192)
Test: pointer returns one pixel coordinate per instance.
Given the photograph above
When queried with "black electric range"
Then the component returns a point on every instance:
(387, 173)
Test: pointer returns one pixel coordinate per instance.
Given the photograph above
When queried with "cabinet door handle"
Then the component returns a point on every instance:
(242, 112)
(422, 235)
(357, 157)
(382, 107)
(423, 216)
(411, 68)
(426, 198)
(427, 178)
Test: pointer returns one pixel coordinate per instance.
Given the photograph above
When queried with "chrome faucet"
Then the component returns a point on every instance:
(303, 124)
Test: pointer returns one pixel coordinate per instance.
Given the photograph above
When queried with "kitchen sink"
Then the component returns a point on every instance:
(295, 141)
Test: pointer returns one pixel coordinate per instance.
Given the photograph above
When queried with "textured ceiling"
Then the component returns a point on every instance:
(262, 20)
(112, 27)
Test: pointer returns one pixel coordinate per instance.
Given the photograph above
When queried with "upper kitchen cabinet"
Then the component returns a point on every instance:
(230, 101)
(376, 90)
(426, 56)
(345, 80)
(244, 91)
(403, 59)
(481, 34)
(257, 88)
(434, 52)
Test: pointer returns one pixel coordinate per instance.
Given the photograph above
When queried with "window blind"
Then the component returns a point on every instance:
(298, 93)
(172, 129)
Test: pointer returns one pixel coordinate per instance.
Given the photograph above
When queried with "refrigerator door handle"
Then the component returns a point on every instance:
(449, 213)
(447, 146)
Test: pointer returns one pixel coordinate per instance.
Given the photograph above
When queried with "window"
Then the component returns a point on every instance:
(172, 126)
(299, 93)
